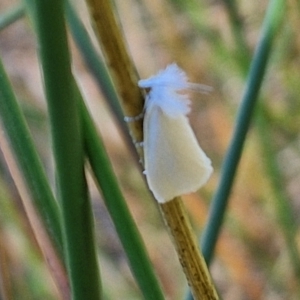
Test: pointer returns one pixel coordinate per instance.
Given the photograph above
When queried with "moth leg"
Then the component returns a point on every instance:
(139, 144)
(135, 118)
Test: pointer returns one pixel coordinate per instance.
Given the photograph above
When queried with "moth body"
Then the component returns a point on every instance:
(175, 164)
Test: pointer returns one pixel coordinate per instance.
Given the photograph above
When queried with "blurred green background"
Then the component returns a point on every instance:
(213, 41)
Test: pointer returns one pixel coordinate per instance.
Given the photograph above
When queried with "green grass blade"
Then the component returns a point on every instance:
(79, 246)
(100, 73)
(257, 70)
(92, 60)
(29, 162)
(127, 231)
(284, 212)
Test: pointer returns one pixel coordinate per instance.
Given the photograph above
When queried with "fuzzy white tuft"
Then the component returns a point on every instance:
(172, 76)
(164, 88)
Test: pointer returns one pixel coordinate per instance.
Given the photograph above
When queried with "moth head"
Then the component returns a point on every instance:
(172, 77)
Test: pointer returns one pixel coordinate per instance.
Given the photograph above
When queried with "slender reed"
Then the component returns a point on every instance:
(66, 129)
(131, 240)
(28, 160)
(100, 73)
(258, 66)
(126, 79)
(284, 212)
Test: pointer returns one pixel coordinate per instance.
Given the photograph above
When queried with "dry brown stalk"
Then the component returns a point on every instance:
(132, 100)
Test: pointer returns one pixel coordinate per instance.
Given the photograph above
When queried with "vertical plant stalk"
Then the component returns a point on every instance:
(52, 259)
(130, 238)
(65, 121)
(100, 73)
(124, 74)
(29, 177)
(30, 180)
(188, 251)
(284, 212)
(21, 143)
(258, 66)
(119, 62)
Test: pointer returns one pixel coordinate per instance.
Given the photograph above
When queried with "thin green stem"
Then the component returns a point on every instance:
(79, 245)
(93, 61)
(127, 231)
(99, 71)
(283, 210)
(28, 160)
(258, 66)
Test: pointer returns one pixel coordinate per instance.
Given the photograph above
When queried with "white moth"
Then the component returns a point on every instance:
(174, 162)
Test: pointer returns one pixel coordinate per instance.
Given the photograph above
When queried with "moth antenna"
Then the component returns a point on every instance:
(200, 88)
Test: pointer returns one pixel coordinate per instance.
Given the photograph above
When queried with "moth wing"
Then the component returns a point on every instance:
(174, 162)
